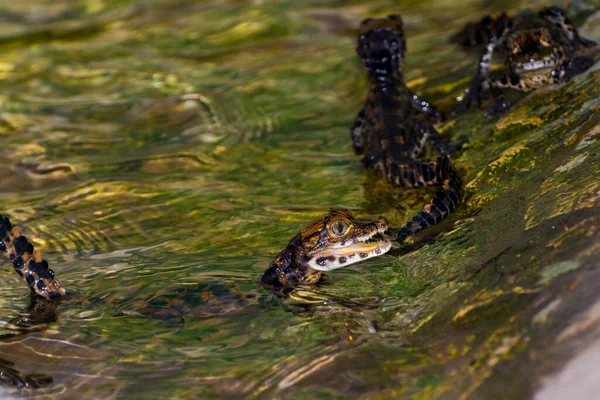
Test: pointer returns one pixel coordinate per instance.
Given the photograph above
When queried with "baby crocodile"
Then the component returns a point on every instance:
(394, 125)
(27, 262)
(539, 49)
(330, 242)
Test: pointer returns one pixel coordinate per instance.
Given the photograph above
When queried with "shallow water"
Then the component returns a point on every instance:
(161, 153)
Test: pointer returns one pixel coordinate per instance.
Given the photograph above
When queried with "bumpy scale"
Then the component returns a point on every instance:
(539, 49)
(27, 262)
(394, 125)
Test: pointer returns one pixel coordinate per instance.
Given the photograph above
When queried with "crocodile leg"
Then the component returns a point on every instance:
(477, 87)
(440, 172)
(440, 144)
(427, 108)
(27, 262)
(362, 123)
(501, 104)
(356, 131)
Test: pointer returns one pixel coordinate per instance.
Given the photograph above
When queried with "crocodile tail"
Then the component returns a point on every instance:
(446, 200)
(27, 262)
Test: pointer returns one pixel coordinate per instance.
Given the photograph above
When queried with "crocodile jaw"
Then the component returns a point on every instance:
(343, 254)
(538, 66)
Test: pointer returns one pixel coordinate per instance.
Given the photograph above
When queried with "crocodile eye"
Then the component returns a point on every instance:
(339, 228)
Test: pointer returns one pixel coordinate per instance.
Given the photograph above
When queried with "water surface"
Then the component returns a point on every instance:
(161, 153)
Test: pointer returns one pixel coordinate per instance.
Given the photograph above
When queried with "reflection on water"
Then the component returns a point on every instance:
(160, 153)
(33, 318)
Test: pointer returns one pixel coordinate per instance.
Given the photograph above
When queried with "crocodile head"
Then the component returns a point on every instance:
(381, 46)
(333, 241)
(533, 52)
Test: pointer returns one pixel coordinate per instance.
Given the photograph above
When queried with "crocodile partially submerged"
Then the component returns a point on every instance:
(45, 289)
(394, 126)
(332, 241)
(28, 263)
(539, 49)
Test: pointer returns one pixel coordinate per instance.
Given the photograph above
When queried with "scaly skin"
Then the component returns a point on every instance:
(539, 49)
(330, 242)
(394, 126)
(28, 263)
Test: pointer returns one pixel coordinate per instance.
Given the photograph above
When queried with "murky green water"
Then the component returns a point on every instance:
(160, 153)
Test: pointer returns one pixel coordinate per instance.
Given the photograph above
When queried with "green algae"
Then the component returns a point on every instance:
(190, 140)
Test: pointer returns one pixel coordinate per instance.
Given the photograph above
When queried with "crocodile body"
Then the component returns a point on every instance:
(28, 263)
(539, 49)
(394, 126)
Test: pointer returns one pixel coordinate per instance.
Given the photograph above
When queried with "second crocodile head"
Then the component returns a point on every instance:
(382, 47)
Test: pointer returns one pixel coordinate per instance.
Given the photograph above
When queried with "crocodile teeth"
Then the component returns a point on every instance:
(361, 249)
(535, 65)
